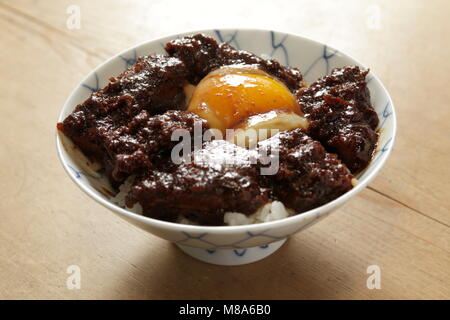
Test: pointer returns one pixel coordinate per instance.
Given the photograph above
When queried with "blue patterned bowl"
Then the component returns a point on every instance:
(238, 244)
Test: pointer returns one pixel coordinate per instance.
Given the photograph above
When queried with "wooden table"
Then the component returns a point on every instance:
(400, 223)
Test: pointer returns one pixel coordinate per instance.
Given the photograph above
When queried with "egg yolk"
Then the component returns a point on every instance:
(229, 96)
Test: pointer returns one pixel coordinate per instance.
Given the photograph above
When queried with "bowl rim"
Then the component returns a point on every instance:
(225, 229)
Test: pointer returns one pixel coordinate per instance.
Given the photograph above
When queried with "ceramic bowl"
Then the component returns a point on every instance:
(233, 245)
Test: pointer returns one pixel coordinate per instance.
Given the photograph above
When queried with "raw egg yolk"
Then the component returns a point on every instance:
(228, 96)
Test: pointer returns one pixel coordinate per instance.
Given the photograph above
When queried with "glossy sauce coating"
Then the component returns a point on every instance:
(225, 177)
(341, 116)
(127, 126)
(114, 125)
(202, 54)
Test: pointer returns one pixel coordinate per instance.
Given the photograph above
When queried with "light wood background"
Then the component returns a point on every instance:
(400, 223)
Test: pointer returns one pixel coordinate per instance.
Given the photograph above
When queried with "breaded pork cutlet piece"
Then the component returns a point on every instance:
(115, 113)
(222, 178)
(308, 176)
(341, 116)
(202, 54)
(145, 142)
(204, 189)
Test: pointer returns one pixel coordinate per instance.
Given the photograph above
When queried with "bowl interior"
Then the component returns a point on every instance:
(312, 58)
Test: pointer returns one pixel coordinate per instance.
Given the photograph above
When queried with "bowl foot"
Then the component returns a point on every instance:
(232, 257)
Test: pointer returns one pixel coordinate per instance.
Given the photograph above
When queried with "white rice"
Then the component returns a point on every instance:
(269, 212)
(119, 198)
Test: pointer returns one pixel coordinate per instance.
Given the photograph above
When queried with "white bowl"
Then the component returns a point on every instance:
(232, 245)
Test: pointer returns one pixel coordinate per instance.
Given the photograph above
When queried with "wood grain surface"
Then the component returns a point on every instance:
(401, 222)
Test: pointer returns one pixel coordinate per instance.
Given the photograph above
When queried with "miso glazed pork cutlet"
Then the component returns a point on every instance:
(275, 146)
